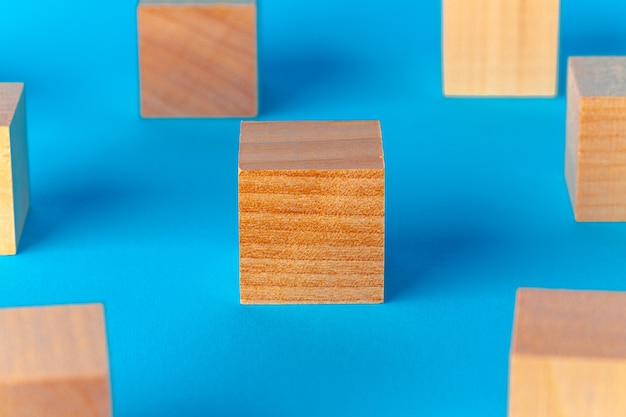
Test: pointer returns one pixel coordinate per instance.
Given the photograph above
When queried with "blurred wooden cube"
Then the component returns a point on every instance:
(595, 156)
(14, 195)
(500, 47)
(311, 212)
(54, 362)
(568, 354)
(198, 58)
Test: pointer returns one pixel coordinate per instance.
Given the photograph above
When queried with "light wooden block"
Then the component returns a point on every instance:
(14, 196)
(198, 58)
(568, 354)
(54, 362)
(311, 212)
(595, 156)
(500, 47)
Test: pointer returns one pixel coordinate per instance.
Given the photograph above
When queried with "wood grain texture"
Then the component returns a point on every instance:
(568, 354)
(198, 59)
(311, 212)
(500, 47)
(14, 190)
(54, 362)
(595, 156)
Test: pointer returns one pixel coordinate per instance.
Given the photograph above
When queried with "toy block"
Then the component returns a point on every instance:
(54, 362)
(500, 47)
(14, 198)
(595, 155)
(311, 212)
(568, 354)
(197, 58)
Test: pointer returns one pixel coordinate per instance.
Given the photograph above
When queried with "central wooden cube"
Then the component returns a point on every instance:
(311, 212)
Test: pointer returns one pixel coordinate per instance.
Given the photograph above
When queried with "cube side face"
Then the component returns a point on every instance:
(311, 236)
(572, 129)
(529, 387)
(566, 387)
(500, 48)
(81, 397)
(198, 60)
(8, 244)
(19, 169)
(601, 177)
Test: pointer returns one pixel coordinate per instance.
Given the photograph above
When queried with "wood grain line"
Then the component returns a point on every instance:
(328, 186)
(312, 204)
(281, 279)
(323, 267)
(328, 238)
(311, 295)
(312, 222)
(311, 252)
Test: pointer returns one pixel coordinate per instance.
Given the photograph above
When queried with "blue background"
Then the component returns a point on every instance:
(142, 214)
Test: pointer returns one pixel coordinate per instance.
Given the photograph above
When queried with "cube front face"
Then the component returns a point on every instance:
(14, 190)
(198, 59)
(596, 138)
(566, 387)
(54, 362)
(82, 397)
(568, 354)
(500, 47)
(313, 235)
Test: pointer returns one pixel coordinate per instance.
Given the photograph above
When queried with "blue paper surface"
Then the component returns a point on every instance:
(142, 214)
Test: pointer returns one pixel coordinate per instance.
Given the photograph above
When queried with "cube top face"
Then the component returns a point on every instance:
(500, 47)
(575, 324)
(48, 343)
(306, 145)
(10, 94)
(201, 2)
(198, 59)
(599, 76)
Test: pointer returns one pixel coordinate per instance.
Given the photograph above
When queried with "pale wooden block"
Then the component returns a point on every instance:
(568, 354)
(198, 58)
(500, 47)
(311, 212)
(14, 195)
(54, 362)
(595, 157)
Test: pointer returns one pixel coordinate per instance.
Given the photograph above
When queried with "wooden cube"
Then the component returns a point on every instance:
(311, 212)
(596, 138)
(54, 362)
(197, 58)
(500, 47)
(568, 354)
(14, 197)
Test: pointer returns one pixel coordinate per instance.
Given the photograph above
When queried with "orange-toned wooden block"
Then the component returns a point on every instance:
(14, 196)
(311, 212)
(595, 156)
(198, 58)
(54, 362)
(568, 354)
(500, 47)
